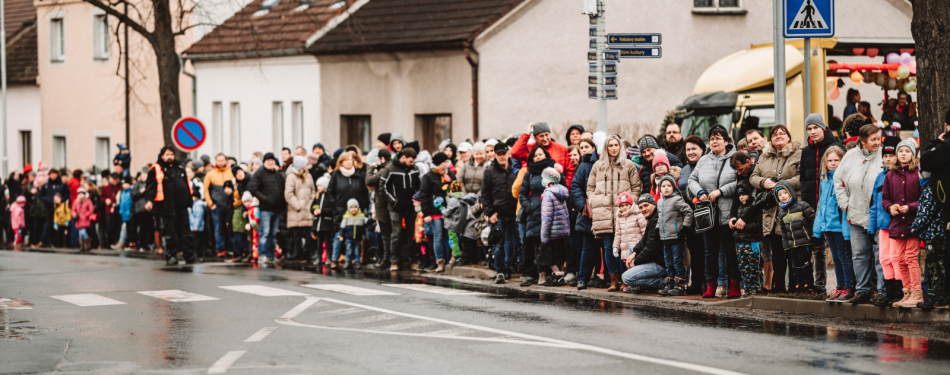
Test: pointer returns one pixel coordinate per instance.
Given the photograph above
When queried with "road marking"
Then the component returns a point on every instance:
(451, 332)
(402, 326)
(260, 335)
(88, 300)
(175, 295)
(516, 338)
(221, 366)
(370, 319)
(433, 289)
(348, 310)
(352, 290)
(261, 290)
(14, 304)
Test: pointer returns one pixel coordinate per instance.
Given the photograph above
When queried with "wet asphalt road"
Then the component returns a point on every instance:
(402, 331)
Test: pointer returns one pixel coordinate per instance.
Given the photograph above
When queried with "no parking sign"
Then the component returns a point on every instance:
(188, 134)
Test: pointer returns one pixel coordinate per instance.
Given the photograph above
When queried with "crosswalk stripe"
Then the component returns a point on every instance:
(403, 326)
(348, 310)
(88, 300)
(433, 289)
(370, 319)
(352, 290)
(260, 335)
(261, 290)
(10, 304)
(175, 295)
(451, 332)
(221, 366)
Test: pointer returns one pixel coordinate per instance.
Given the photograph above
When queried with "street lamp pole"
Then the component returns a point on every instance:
(3, 81)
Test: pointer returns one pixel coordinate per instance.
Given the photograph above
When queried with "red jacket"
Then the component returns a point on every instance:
(558, 152)
(73, 184)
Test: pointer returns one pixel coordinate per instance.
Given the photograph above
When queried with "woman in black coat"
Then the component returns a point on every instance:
(532, 187)
(347, 182)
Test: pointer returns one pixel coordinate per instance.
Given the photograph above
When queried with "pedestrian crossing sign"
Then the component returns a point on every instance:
(809, 18)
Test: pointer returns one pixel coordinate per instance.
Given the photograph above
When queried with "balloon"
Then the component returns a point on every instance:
(907, 50)
(910, 86)
(872, 52)
(858, 51)
(913, 67)
(856, 78)
(906, 58)
(903, 71)
(834, 93)
(880, 79)
(892, 73)
(831, 84)
(868, 77)
(892, 84)
(893, 58)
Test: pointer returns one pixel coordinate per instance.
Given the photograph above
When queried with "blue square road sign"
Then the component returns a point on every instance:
(809, 18)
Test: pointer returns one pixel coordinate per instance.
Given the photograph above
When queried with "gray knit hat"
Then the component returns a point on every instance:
(352, 202)
(909, 143)
(815, 119)
(541, 127)
(646, 198)
(648, 141)
(667, 177)
(550, 176)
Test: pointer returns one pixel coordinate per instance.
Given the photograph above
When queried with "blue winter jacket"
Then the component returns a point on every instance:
(879, 218)
(125, 204)
(579, 191)
(829, 217)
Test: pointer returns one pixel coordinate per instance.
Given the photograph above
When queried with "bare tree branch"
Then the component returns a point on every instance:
(123, 19)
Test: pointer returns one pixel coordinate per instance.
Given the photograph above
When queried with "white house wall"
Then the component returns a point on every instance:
(23, 114)
(256, 84)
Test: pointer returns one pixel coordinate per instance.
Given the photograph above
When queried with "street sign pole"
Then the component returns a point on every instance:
(778, 44)
(601, 45)
(807, 77)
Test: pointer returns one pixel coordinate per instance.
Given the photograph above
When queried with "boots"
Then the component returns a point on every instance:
(543, 279)
(614, 282)
(899, 292)
(916, 296)
(440, 266)
(710, 289)
(884, 299)
(905, 298)
(667, 286)
(86, 244)
(734, 290)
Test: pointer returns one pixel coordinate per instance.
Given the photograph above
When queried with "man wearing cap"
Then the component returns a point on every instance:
(465, 154)
(500, 206)
(819, 140)
(542, 136)
(648, 145)
(267, 185)
(168, 197)
(374, 173)
(320, 166)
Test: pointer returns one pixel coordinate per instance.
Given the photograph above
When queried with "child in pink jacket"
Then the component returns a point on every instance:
(83, 210)
(630, 226)
(18, 219)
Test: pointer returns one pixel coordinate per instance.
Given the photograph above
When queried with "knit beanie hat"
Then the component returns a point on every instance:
(372, 157)
(853, 127)
(313, 158)
(247, 197)
(909, 143)
(337, 153)
(646, 198)
(667, 177)
(21, 199)
(541, 127)
(633, 151)
(352, 202)
(815, 119)
(300, 162)
(257, 161)
(889, 145)
(323, 181)
(439, 158)
(384, 138)
(659, 157)
(269, 156)
(625, 197)
(550, 176)
(648, 141)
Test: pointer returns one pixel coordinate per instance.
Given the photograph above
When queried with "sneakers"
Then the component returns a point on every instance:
(500, 278)
(860, 298)
(929, 301)
(171, 261)
(528, 281)
(667, 286)
(834, 295)
(721, 292)
(581, 285)
(846, 294)
(570, 278)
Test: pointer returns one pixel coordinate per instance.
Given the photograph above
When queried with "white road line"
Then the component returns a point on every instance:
(451, 332)
(11, 304)
(352, 290)
(370, 319)
(261, 290)
(175, 295)
(434, 289)
(517, 338)
(348, 310)
(402, 326)
(221, 366)
(260, 335)
(88, 300)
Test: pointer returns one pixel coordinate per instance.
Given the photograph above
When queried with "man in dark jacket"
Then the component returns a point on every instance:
(674, 141)
(819, 140)
(374, 181)
(267, 186)
(648, 145)
(168, 197)
(933, 159)
(401, 181)
(500, 206)
(647, 267)
(48, 192)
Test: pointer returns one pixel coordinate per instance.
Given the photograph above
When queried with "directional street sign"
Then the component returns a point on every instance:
(188, 134)
(809, 18)
(592, 69)
(641, 52)
(610, 93)
(593, 32)
(610, 69)
(608, 81)
(611, 55)
(593, 44)
(592, 92)
(593, 20)
(592, 56)
(635, 39)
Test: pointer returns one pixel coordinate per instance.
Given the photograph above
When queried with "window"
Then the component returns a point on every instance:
(100, 37)
(278, 125)
(700, 123)
(432, 129)
(102, 153)
(217, 127)
(356, 130)
(235, 129)
(718, 7)
(297, 122)
(57, 40)
(26, 147)
(59, 151)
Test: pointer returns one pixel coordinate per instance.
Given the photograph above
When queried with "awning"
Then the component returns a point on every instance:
(846, 46)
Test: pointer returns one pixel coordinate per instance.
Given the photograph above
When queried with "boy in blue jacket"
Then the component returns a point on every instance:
(878, 223)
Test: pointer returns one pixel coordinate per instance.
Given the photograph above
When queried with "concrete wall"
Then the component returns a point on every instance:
(393, 88)
(24, 112)
(534, 63)
(255, 84)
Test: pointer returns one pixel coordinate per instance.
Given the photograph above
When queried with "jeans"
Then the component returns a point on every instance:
(352, 250)
(219, 216)
(590, 252)
(269, 222)
(723, 280)
(73, 234)
(505, 250)
(841, 255)
(821, 268)
(673, 257)
(865, 255)
(339, 246)
(719, 240)
(519, 245)
(801, 278)
(440, 239)
(82, 234)
(239, 241)
(612, 263)
(649, 275)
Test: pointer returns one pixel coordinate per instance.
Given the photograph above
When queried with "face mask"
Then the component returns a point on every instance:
(418, 208)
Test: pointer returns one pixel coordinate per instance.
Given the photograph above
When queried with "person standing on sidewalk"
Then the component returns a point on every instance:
(220, 199)
(432, 195)
(819, 140)
(401, 181)
(168, 196)
(267, 185)
(832, 224)
(901, 195)
(500, 208)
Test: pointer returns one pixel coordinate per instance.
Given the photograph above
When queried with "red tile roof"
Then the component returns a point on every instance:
(16, 13)
(281, 31)
(22, 67)
(399, 25)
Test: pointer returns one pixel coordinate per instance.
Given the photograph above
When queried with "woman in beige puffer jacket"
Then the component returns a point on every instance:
(299, 194)
(609, 177)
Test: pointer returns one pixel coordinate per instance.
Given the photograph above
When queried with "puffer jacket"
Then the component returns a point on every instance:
(83, 209)
(752, 231)
(854, 181)
(810, 167)
(555, 217)
(879, 217)
(579, 191)
(322, 223)
(713, 172)
(607, 180)
(830, 218)
(683, 182)
(675, 215)
(62, 214)
(399, 183)
(770, 163)
(138, 198)
(214, 187)
(901, 187)
(797, 219)
(629, 231)
(268, 187)
(344, 188)
(431, 194)
(352, 226)
(650, 249)
(532, 188)
(299, 194)
(471, 174)
(380, 199)
(496, 190)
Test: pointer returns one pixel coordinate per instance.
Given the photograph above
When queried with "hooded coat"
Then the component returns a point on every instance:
(854, 183)
(555, 217)
(714, 172)
(797, 219)
(579, 191)
(778, 164)
(674, 215)
(810, 166)
(529, 195)
(174, 186)
(471, 175)
(902, 188)
(567, 134)
(629, 231)
(83, 209)
(298, 192)
(829, 217)
(607, 180)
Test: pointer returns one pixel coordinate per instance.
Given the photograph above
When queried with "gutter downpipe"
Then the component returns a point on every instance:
(472, 56)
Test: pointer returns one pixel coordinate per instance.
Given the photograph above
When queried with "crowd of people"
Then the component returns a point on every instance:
(715, 217)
